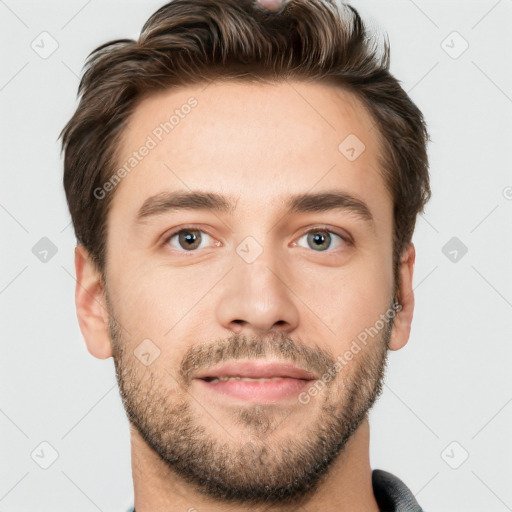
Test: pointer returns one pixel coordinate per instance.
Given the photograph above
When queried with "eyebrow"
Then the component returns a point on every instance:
(301, 203)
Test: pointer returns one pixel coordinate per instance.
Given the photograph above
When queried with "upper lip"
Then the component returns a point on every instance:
(256, 369)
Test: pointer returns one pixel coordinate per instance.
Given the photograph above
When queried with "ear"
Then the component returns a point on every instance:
(405, 296)
(91, 307)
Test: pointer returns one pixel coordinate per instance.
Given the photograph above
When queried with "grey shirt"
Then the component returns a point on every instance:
(391, 494)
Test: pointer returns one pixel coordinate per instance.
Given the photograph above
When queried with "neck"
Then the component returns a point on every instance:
(346, 487)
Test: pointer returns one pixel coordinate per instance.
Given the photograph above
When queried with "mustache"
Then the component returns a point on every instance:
(239, 347)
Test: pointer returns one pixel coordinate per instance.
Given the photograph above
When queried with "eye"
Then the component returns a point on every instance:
(321, 240)
(187, 240)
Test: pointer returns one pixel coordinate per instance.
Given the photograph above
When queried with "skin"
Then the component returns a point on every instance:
(259, 144)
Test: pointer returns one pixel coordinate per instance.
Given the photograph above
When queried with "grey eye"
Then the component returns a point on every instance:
(321, 239)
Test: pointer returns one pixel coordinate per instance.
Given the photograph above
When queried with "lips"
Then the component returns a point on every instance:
(262, 369)
(253, 382)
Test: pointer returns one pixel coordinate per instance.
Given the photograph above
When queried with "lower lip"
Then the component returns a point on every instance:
(258, 390)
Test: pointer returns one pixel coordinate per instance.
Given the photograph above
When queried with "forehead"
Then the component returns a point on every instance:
(249, 141)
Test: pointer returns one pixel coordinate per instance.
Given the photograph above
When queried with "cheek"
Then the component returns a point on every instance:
(163, 304)
(346, 301)
(142, 306)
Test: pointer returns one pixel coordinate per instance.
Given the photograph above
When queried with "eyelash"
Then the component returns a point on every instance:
(167, 238)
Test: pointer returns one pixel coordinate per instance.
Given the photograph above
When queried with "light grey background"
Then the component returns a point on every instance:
(448, 393)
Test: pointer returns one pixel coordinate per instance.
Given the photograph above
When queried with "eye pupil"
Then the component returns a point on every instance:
(190, 239)
(318, 237)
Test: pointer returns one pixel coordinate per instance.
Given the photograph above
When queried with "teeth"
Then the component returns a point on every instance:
(215, 379)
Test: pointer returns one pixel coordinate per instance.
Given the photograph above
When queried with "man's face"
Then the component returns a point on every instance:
(252, 282)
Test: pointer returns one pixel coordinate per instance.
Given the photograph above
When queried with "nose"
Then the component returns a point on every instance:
(256, 298)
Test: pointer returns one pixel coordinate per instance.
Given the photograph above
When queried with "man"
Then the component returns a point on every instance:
(244, 186)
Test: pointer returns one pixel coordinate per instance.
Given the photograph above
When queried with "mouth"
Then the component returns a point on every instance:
(256, 381)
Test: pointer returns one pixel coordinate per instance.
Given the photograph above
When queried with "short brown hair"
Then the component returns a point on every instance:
(192, 41)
